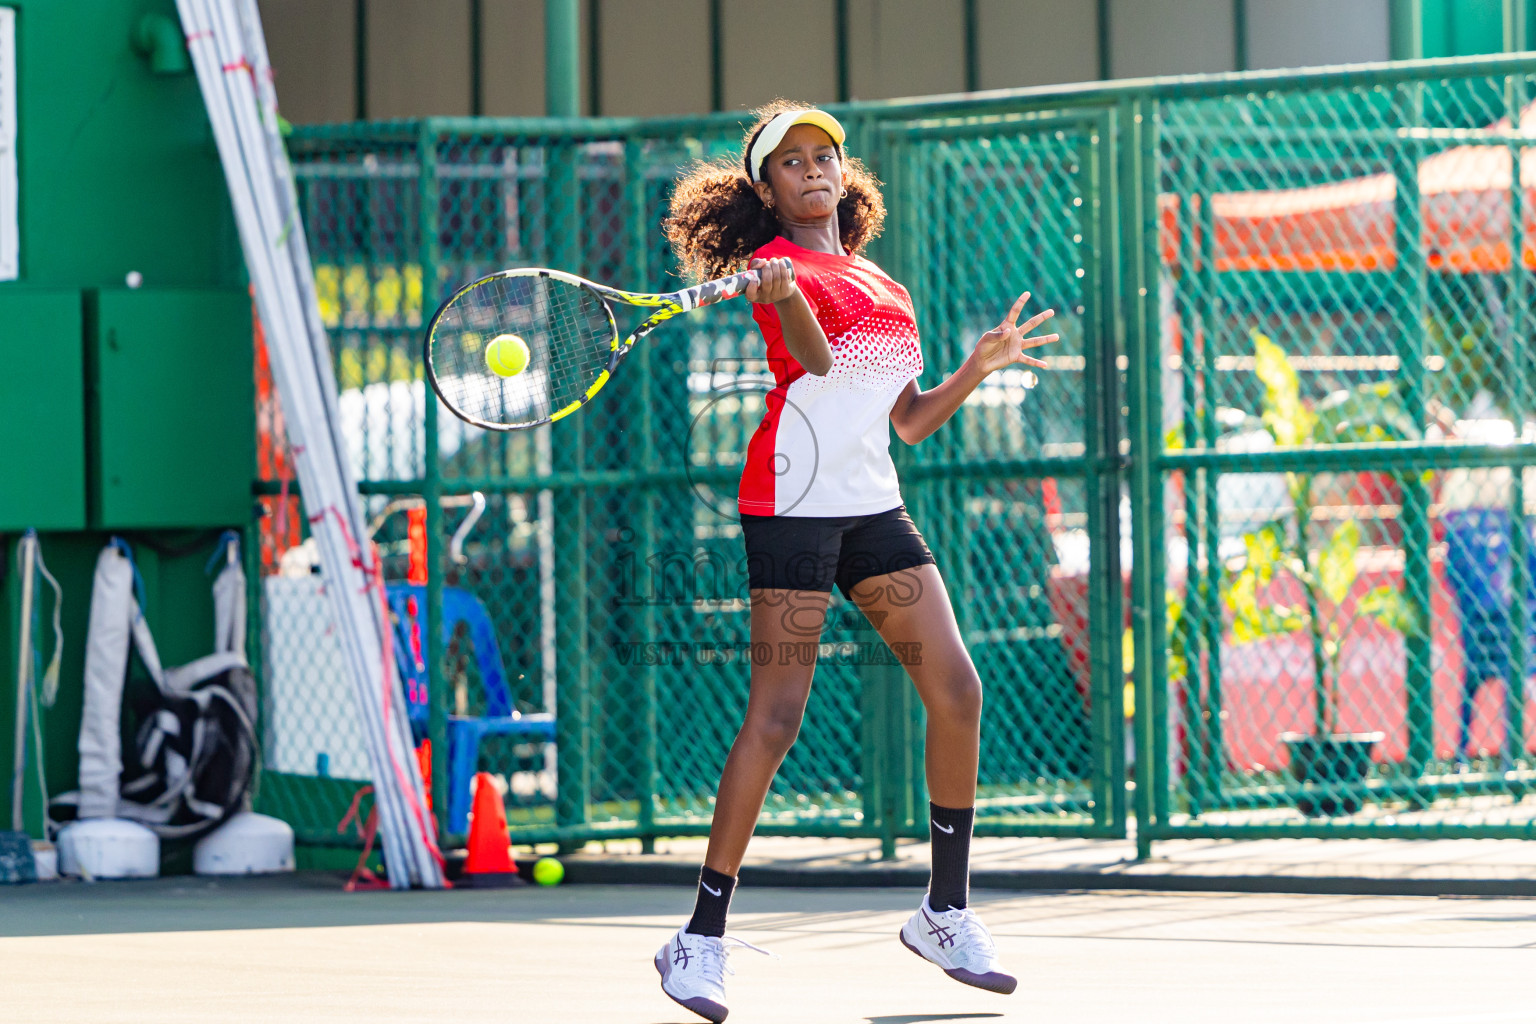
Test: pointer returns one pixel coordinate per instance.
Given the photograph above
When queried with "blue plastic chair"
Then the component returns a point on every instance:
(408, 602)
(1478, 567)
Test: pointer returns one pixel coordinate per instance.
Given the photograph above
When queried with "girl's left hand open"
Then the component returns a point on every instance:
(1005, 344)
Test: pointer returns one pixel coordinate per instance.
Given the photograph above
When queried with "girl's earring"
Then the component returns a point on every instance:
(844, 194)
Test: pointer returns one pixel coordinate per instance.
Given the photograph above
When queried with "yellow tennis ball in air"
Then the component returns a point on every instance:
(507, 355)
(548, 871)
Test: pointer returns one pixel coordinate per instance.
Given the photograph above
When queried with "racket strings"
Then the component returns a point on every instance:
(569, 333)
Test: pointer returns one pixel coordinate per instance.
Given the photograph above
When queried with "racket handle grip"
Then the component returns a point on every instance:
(757, 278)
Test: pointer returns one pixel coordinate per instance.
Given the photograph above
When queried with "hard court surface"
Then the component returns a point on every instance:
(298, 949)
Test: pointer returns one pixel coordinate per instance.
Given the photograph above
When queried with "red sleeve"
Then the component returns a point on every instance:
(765, 313)
(767, 318)
(784, 366)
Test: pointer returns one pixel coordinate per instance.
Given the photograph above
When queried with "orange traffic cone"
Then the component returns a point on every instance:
(489, 864)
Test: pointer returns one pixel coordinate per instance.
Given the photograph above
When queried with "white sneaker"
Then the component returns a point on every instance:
(960, 944)
(693, 969)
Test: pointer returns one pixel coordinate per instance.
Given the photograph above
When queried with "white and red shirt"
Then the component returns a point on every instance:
(823, 448)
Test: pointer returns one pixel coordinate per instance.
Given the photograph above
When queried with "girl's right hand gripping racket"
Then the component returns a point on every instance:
(526, 347)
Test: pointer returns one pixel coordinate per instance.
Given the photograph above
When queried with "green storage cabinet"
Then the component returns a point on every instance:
(42, 429)
(117, 167)
(174, 440)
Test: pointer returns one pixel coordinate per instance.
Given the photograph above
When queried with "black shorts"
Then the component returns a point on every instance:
(814, 552)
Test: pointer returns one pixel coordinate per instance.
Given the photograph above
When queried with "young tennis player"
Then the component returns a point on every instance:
(821, 506)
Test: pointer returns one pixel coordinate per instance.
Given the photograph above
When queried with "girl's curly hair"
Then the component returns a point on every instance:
(717, 221)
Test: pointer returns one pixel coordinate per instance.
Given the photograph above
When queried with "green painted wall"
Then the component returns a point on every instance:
(1461, 28)
(42, 409)
(1457, 28)
(123, 411)
(117, 166)
(174, 393)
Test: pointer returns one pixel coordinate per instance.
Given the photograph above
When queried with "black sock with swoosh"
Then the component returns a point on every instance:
(713, 902)
(949, 830)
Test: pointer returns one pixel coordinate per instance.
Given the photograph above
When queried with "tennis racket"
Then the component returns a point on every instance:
(556, 334)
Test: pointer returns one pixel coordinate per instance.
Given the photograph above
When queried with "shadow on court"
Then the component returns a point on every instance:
(305, 900)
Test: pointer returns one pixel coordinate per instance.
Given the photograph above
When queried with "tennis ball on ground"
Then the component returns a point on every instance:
(548, 871)
(507, 355)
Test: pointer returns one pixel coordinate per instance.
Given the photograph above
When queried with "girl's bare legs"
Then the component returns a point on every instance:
(789, 623)
(911, 611)
(786, 627)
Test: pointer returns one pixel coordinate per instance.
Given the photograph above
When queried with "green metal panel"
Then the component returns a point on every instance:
(42, 429)
(437, 692)
(118, 175)
(117, 169)
(1456, 28)
(173, 437)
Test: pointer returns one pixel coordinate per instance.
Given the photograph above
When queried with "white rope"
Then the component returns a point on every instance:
(24, 563)
(50, 692)
(29, 563)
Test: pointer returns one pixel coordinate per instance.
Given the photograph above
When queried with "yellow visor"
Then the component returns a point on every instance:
(774, 131)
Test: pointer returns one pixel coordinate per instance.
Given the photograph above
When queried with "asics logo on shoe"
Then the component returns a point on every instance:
(938, 931)
(941, 828)
(680, 956)
(712, 892)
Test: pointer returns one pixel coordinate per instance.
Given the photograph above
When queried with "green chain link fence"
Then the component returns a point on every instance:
(1291, 382)
(1348, 624)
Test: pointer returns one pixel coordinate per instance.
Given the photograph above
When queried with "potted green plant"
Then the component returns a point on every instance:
(1323, 562)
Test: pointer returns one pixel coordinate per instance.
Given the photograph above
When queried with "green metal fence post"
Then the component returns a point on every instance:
(891, 711)
(1150, 411)
(892, 748)
(573, 709)
(1138, 218)
(889, 759)
(1210, 730)
(871, 763)
(1148, 773)
(1192, 370)
(1101, 256)
(904, 162)
(1518, 303)
(1412, 297)
(642, 369)
(562, 58)
(874, 693)
(573, 697)
(432, 485)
